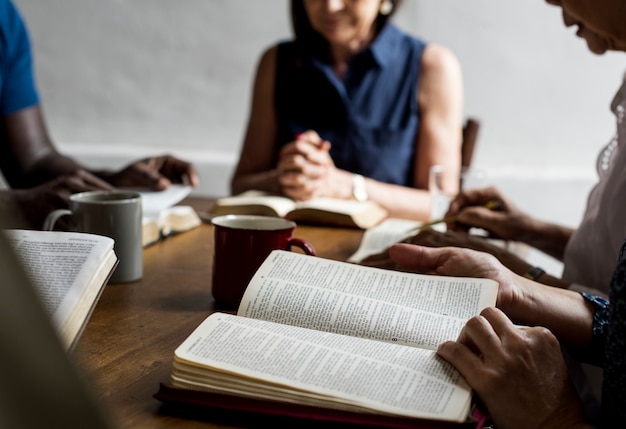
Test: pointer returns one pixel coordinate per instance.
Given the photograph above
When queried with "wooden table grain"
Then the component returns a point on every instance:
(128, 345)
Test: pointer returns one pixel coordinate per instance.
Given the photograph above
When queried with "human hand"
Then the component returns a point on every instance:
(305, 166)
(451, 238)
(432, 238)
(453, 261)
(470, 208)
(518, 373)
(381, 260)
(155, 173)
(35, 203)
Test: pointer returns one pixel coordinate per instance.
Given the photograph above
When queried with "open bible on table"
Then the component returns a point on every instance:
(334, 341)
(68, 271)
(318, 211)
(162, 216)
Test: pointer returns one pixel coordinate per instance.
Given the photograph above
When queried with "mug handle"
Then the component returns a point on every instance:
(305, 246)
(52, 218)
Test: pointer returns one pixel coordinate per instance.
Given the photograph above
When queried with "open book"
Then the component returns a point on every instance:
(168, 221)
(382, 236)
(68, 271)
(161, 217)
(339, 337)
(326, 211)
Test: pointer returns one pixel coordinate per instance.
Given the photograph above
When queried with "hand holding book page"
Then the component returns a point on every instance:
(338, 336)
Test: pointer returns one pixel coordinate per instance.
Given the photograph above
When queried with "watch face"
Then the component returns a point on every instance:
(359, 192)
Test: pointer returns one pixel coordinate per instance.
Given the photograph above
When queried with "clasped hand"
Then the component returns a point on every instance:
(305, 168)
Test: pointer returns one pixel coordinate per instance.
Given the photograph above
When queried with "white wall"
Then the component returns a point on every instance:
(126, 78)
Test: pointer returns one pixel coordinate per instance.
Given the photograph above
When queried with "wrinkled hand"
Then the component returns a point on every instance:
(453, 261)
(382, 260)
(155, 173)
(432, 238)
(518, 373)
(506, 222)
(305, 167)
(35, 203)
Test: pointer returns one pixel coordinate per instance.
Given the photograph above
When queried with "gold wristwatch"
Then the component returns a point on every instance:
(359, 191)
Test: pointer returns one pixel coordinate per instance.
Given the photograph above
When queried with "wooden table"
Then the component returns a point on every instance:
(128, 346)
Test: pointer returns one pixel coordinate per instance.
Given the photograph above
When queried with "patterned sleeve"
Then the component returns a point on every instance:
(595, 353)
(614, 380)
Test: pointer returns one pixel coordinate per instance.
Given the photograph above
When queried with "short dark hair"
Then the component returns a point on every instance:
(309, 39)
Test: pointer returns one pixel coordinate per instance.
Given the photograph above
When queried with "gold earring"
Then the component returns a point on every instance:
(386, 7)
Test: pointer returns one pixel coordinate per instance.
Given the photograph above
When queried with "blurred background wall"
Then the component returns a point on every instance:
(122, 79)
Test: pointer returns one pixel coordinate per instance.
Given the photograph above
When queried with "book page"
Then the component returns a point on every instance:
(170, 220)
(157, 207)
(178, 219)
(327, 367)
(152, 202)
(393, 230)
(385, 305)
(349, 207)
(379, 238)
(281, 205)
(61, 265)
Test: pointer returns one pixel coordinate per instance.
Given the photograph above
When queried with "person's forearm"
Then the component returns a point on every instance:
(519, 265)
(50, 167)
(400, 201)
(266, 181)
(10, 214)
(566, 313)
(550, 280)
(548, 237)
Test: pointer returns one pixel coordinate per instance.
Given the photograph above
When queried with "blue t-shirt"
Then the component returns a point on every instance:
(17, 84)
(371, 117)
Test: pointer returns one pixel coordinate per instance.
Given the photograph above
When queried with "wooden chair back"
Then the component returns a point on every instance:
(468, 144)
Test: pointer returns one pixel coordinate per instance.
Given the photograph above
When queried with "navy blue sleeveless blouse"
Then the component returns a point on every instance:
(370, 117)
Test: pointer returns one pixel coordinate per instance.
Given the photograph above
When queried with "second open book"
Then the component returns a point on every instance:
(334, 335)
(318, 211)
(68, 271)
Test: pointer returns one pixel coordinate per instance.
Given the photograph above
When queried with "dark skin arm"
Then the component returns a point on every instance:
(28, 156)
(42, 179)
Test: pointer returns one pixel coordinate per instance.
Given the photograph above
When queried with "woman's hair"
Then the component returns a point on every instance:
(309, 39)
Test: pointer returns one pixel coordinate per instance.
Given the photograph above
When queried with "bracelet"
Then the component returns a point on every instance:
(359, 191)
(534, 273)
